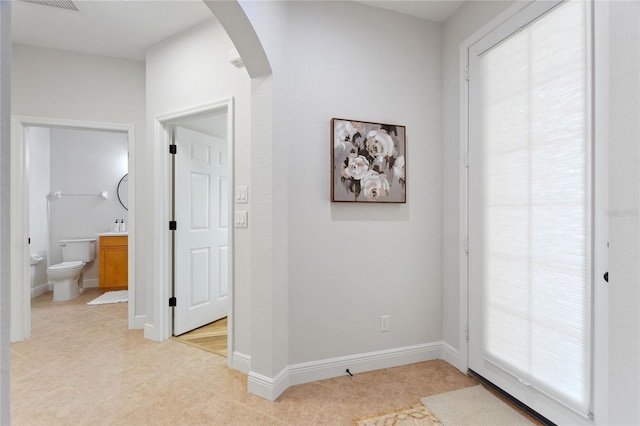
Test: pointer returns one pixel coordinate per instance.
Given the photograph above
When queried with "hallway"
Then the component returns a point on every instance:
(82, 366)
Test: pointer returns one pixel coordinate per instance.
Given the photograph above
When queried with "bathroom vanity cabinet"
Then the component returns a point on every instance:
(114, 262)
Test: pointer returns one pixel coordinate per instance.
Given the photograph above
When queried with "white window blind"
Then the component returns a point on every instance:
(534, 212)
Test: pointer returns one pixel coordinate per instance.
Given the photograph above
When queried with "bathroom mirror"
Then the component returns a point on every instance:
(123, 191)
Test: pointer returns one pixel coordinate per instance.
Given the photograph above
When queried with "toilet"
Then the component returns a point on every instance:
(67, 276)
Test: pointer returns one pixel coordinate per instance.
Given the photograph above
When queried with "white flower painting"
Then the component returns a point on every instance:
(368, 162)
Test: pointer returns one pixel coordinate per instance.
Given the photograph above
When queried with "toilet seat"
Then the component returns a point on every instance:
(66, 266)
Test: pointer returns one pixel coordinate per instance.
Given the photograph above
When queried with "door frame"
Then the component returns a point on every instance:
(462, 361)
(600, 132)
(163, 137)
(19, 248)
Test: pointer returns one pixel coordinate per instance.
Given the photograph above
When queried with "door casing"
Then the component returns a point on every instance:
(20, 287)
(159, 295)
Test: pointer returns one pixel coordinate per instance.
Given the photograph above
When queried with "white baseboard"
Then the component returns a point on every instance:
(241, 362)
(452, 356)
(150, 332)
(139, 321)
(271, 388)
(360, 363)
(41, 289)
(266, 387)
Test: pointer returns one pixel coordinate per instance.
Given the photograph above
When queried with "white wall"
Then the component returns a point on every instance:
(351, 263)
(5, 143)
(38, 140)
(467, 20)
(269, 236)
(64, 85)
(85, 162)
(67, 85)
(624, 204)
(186, 71)
(336, 269)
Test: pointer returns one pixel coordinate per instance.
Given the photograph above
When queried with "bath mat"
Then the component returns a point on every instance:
(472, 406)
(111, 297)
(416, 415)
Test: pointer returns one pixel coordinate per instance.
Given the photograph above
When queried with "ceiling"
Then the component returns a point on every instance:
(431, 10)
(116, 28)
(125, 28)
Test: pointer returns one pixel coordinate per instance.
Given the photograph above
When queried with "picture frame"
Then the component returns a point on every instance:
(368, 162)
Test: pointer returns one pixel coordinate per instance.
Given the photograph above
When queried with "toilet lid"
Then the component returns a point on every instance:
(65, 265)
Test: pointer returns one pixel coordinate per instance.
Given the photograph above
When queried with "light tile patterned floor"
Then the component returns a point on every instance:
(82, 366)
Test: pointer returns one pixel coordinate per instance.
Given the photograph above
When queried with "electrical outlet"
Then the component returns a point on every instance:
(384, 323)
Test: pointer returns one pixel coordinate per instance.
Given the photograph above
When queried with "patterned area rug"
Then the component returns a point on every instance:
(416, 415)
(111, 297)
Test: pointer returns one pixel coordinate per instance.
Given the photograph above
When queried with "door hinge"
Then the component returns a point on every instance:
(173, 225)
(466, 159)
(173, 149)
(466, 73)
(172, 302)
(466, 245)
(29, 240)
(466, 332)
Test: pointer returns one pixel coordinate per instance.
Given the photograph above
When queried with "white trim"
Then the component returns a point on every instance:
(158, 294)
(231, 138)
(335, 367)
(5, 211)
(452, 356)
(149, 331)
(139, 321)
(463, 213)
(601, 220)
(131, 233)
(241, 362)
(266, 387)
(19, 250)
(499, 33)
(20, 277)
(162, 138)
(307, 372)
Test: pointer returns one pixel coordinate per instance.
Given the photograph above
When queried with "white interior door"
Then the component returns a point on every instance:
(201, 238)
(531, 210)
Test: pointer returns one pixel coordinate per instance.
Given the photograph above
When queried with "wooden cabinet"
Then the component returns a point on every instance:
(114, 263)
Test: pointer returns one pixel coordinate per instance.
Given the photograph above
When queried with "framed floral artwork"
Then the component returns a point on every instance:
(368, 162)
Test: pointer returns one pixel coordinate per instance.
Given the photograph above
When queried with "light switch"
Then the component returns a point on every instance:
(242, 219)
(242, 194)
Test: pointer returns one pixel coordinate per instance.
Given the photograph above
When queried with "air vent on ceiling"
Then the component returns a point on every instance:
(60, 4)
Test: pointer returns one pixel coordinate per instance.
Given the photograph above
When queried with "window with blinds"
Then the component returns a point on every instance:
(533, 213)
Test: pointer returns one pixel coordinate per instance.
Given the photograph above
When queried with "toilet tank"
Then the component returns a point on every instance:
(83, 250)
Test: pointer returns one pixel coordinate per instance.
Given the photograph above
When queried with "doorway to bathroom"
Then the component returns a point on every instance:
(199, 163)
(65, 185)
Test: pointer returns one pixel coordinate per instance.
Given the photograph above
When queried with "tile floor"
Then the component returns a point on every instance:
(82, 366)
